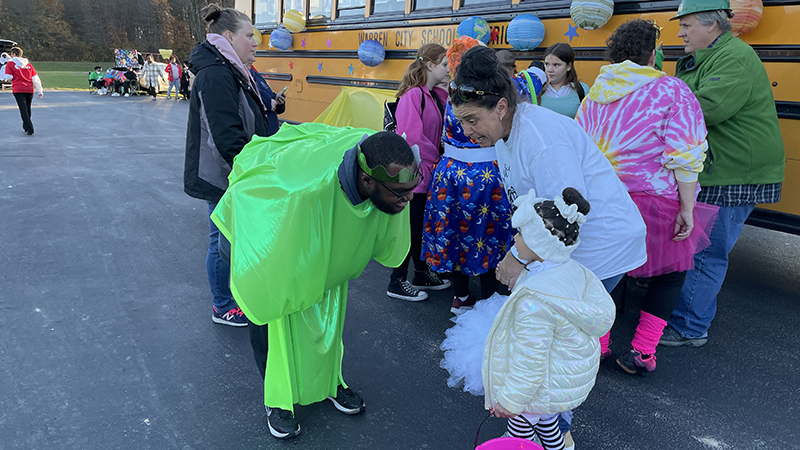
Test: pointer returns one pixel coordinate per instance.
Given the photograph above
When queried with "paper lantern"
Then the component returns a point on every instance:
(476, 28)
(294, 21)
(747, 14)
(257, 36)
(165, 53)
(371, 52)
(591, 14)
(525, 32)
(281, 39)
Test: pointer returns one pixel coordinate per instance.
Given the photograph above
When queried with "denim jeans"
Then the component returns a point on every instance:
(218, 270)
(173, 84)
(698, 302)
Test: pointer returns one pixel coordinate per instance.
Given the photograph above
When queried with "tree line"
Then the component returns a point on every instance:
(89, 30)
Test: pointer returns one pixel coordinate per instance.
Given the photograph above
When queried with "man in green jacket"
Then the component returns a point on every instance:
(745, 152)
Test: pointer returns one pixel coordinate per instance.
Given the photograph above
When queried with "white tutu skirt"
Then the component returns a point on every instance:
(463, 347)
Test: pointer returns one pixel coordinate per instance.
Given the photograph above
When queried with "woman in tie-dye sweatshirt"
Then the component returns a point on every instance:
(650, 126)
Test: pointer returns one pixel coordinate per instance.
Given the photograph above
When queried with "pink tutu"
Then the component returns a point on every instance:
(663, 254)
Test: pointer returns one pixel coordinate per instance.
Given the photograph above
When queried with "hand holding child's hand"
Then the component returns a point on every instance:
(508, 271)
(499, 411)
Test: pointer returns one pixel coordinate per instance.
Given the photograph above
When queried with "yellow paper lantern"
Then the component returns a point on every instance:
(294, 21)
(746, 15)
(165, 53)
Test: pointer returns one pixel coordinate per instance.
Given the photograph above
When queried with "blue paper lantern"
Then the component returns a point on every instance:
(371, 52)
(281, 39)
(476, 28)
(525, 32)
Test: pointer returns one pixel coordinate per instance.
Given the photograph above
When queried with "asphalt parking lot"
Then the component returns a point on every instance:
(107, 339)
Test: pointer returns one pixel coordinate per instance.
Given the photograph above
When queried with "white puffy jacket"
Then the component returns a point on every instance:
(542, 353)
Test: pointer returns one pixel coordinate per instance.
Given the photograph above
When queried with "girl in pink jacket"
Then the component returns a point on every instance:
(420, 113)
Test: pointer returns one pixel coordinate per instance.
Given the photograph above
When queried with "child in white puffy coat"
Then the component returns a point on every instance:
(535, 353)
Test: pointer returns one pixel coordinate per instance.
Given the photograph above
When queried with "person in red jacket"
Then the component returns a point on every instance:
(174, 73)
(24, 82)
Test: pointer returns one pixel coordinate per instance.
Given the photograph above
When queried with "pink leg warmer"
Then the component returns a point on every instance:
(604, 341)
(648, 332)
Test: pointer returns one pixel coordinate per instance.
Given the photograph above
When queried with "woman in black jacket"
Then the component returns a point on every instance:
(225, 111)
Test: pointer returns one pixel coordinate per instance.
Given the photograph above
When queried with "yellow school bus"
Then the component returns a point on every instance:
(323, 58)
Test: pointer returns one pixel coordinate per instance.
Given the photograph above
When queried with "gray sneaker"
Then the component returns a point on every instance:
(671, 338)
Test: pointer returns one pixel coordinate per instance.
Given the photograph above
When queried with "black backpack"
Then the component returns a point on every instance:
(390, 112)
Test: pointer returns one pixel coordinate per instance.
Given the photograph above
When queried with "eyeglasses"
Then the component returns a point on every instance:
(467, 93)
(404, 192)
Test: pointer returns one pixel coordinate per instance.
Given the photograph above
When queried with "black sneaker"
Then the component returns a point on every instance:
(282, 423)
(401, 289)
(429, 281)
(671, 338)
(348, 401)
(234, 317)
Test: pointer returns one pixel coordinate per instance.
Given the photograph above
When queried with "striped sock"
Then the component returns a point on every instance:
(549, 434)
(519, 427)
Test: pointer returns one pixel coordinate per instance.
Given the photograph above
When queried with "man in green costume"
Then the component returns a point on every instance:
(305, 211)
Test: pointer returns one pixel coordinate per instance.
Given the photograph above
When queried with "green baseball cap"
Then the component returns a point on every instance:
(695, 6)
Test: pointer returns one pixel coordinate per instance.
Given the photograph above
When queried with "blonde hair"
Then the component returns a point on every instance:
(417, 73)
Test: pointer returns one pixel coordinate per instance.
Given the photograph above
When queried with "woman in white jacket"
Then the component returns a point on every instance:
(541, 351)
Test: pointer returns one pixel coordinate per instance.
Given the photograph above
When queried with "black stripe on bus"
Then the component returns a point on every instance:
(277, 76)
(354, 82)
(774, 220)
(788, 110)
(544, 9)
(767, 53)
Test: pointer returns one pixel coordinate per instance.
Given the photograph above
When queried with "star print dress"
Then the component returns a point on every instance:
(467, 224)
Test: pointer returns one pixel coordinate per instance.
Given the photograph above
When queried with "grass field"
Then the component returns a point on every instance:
(66, 74)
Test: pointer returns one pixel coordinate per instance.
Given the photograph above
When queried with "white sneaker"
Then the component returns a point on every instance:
(115, 94)
(127, 95)
(154, 99)
(99, 92)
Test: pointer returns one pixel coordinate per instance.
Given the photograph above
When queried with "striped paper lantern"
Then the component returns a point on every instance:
(747, 14)
(525, 32)
(294, 21)
(281, 39)
(591, 14)
(371, 52)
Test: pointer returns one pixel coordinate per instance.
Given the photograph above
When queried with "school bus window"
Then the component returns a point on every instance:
(383, 6)
(296, 5)
(319, 9)
(266, 11)
(430, 4)
(484, 2)
(351, 8)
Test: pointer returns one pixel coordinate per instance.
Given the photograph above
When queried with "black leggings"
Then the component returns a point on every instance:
(663, 294)
(260, 344)
(489, 284)
(417, 214)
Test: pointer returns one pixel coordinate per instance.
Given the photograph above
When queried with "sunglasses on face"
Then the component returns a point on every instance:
(404, 192)
(467, 93)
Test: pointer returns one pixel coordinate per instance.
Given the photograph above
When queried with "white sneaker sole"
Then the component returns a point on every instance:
(277, 434)
(460, 311)
(406, 298)
(347, 410)
(441, 287)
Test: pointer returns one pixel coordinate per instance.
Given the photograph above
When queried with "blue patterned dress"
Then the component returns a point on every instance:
(467, 224)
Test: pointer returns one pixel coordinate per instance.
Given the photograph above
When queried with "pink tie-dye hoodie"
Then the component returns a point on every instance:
(649, 125)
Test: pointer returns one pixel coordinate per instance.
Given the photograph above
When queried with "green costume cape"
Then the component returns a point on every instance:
(296, 240)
